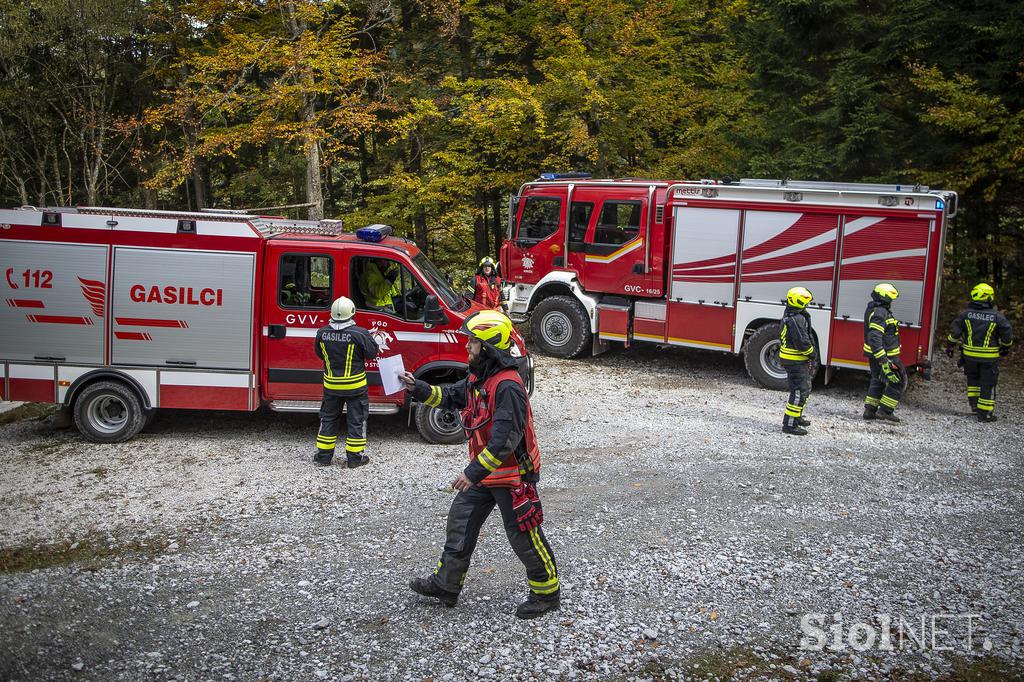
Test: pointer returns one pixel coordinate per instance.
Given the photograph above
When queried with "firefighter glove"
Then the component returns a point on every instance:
(526, 505)
(949, 350)
(892, 375)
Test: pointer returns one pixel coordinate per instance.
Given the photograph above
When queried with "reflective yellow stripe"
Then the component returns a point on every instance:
(793, 410)
(893, 352)
(434, 399)
(890, 402)
(875, 325)
(489, 461)
(873, 402)
(549, 566)
(327, 360)
(988, 334)
(348, 359)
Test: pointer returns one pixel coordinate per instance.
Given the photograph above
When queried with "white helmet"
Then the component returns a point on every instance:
(342, 309)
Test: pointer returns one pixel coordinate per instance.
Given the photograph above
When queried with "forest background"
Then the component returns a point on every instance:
(428, 114)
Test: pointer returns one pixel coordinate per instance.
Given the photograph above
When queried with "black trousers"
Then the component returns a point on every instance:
(466, 517)
(357, 408)
(881, 392)
(798, 377)
(982, 378)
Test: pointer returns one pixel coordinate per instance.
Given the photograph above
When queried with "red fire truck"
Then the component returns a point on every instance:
(707, 264)
(115, 313)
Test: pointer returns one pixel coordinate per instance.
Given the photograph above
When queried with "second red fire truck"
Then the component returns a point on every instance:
(706, 264)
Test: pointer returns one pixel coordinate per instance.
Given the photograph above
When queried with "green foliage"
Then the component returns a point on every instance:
(427, 115)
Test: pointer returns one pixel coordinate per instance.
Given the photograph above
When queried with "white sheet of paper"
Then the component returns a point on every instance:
(390, 369)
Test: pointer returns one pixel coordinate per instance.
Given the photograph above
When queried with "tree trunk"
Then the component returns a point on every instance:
(198, 187)
(497, 225)
(480, 232)
(314, 188)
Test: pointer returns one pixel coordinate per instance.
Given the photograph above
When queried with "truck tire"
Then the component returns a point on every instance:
(761, 356)
(108, 412)
(560, 327)
(440, 427)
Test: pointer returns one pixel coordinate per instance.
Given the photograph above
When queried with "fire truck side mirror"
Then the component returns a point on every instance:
(432, 313)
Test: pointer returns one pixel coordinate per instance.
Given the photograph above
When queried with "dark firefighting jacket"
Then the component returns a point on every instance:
(982, 331)
(795, 336)
(344, 348)
(881, 332)
(495, 410)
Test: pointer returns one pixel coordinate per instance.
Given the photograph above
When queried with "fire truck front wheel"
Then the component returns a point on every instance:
(108, 412)
(440, 427)
(560, 327)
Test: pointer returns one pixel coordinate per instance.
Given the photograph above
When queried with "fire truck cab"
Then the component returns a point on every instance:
(116, 313)
(707, 264)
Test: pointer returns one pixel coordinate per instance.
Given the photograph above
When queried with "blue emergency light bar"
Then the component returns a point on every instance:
(373, 233)
(564, 176)
(939, 204)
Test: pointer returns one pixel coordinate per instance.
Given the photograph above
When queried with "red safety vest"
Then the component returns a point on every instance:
(477, 417)
(488, 291)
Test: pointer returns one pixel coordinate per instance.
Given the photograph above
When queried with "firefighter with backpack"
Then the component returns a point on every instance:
(344, 347)
(983, 335)
(503, 470)
(882, 349)
(797, 354)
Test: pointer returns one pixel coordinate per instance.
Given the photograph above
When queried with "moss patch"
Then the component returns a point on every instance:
(27, 411)
(90, 553)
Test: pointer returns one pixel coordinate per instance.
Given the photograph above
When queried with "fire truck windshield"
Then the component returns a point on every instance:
(440, 283)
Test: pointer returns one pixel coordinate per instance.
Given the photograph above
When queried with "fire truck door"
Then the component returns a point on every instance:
(390, 299)
(537, 240)
(300, 285)
(614, 248)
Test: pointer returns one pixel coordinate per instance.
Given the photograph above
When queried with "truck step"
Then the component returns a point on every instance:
(314, 406)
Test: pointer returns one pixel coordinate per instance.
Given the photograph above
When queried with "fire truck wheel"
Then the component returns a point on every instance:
(441, 427)
(561, 327)
(108, 412)
(761, 356)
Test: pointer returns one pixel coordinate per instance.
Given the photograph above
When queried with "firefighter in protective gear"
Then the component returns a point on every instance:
(983, 334)
(503, 470)
(487, 291)
(380, 283)
(882, 348)
(797, 353)
(344, 347)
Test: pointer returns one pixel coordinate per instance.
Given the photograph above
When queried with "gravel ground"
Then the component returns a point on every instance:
(691, 536)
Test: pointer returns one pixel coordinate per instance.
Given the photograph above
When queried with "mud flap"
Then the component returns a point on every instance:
(599, 345)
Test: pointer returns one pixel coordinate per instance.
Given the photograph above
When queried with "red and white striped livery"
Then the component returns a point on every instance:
(118, 312)
(707, 264)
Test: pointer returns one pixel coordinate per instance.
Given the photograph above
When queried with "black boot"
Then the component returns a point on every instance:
(803, 421)
(537, 605)
(353, 461)
(886, 414)
(870, 412)
(985, 417)
(428, 588)
(323, 460)
(794, 430)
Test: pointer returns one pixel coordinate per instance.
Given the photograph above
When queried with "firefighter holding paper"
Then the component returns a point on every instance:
(503, 469)
(882, 348)
(796, 352)
(344, 347)
(983, 334)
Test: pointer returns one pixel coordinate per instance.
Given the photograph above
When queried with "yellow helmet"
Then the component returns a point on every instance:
(887, 291)
(490, 327)
(487, 260)
(798, 297)
(983, 292)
